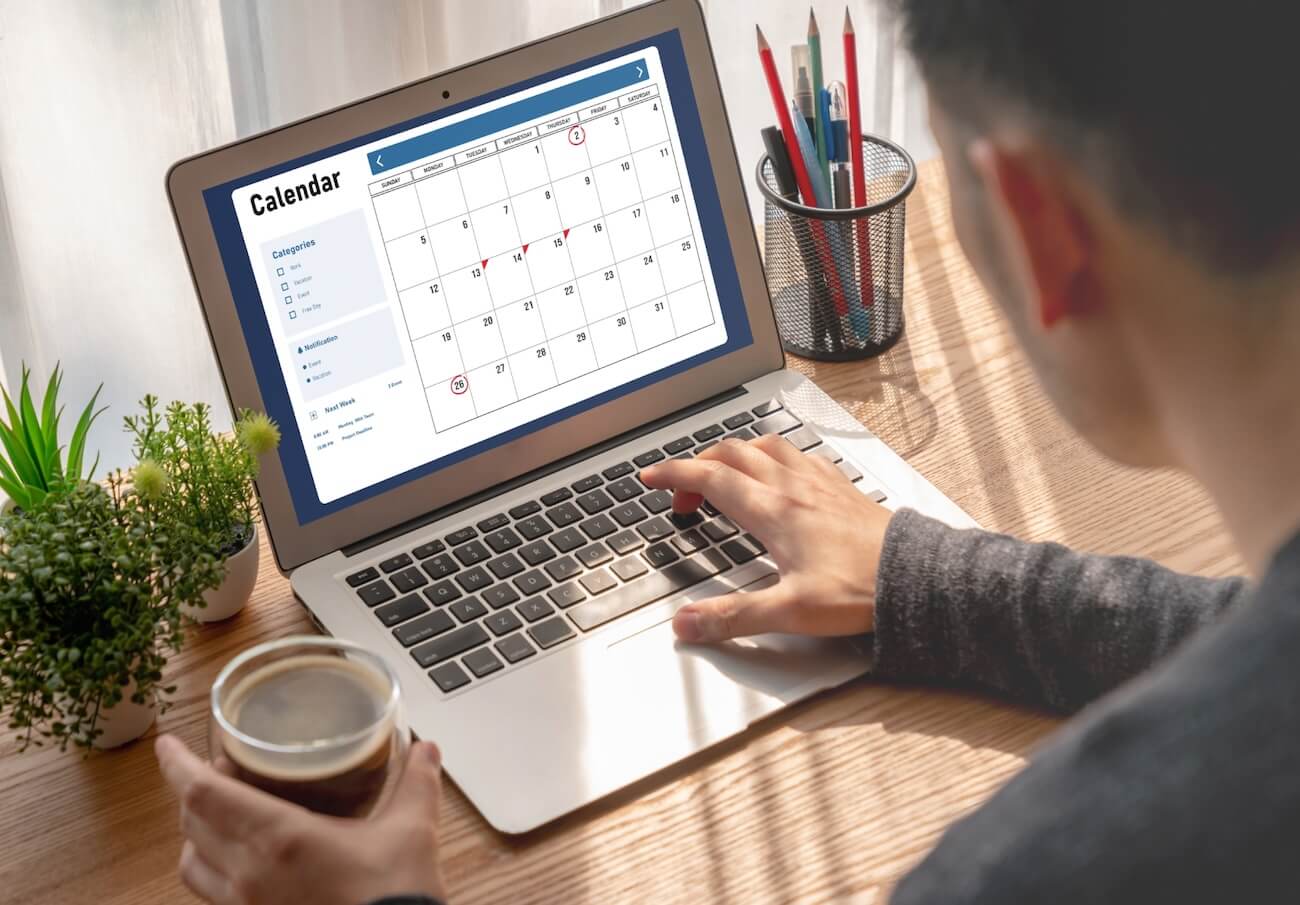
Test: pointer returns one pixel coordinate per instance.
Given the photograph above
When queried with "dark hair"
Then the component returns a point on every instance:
(1184, 111)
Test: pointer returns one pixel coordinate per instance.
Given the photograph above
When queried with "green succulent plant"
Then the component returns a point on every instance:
(32, 465)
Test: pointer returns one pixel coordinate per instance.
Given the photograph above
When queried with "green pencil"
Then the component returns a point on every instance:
(815, 50)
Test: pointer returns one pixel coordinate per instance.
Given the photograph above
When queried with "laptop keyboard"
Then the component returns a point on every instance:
(490, 595)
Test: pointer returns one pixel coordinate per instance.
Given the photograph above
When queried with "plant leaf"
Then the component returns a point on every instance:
(48, 413)
(77, 445)
(19, 457)
(31, 428)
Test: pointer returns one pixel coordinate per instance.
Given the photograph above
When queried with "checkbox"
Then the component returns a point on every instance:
(279, 271)
(288, 300)
(284, 287)
(293, 315)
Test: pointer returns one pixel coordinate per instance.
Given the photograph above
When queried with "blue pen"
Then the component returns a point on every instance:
(840, 249)
(825, 103)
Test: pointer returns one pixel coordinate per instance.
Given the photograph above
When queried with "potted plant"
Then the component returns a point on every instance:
(199, 478)
(32, 465)
(92, 584)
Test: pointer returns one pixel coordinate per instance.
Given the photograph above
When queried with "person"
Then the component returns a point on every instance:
(1124, 181)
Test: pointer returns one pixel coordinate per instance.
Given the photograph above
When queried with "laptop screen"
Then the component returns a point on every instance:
(420, 294)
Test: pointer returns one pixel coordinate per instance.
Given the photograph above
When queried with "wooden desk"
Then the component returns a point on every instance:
(831, 800)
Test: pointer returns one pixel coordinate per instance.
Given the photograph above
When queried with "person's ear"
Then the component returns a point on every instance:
(1041, 227)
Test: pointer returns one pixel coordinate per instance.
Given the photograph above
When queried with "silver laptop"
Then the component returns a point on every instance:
(477, 305)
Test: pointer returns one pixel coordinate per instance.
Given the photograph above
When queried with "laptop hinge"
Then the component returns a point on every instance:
(537, 473)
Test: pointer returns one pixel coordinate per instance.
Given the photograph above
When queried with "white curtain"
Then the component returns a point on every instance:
(98, 99)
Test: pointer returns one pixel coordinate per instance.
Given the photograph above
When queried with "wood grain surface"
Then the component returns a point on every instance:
(829, 801)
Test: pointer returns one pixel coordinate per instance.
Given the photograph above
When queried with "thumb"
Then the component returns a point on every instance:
(735, 615)
(419, 792)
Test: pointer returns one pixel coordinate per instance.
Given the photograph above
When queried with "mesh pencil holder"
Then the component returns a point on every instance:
(836, 276)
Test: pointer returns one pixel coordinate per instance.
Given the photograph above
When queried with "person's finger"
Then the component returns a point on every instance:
(204, 880)
(736, 615)
(228, 806)
(740, 456)
(735, 493)
(419, 791)
(782, 450)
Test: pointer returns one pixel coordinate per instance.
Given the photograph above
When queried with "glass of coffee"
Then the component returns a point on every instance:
(315, 721)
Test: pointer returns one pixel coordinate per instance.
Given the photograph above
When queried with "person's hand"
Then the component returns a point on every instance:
(245, 847)
(823, 534)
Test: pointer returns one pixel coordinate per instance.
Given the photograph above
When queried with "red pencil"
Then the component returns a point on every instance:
(862, 225)
(800, 171)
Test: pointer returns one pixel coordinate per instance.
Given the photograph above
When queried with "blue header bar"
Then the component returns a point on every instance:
(393, 157)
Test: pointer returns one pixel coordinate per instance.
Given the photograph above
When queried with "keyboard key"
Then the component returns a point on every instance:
(625, 542)
(482, 662)
(755, 543)
(459, 537)
(551, 632)
(595, 501)
(505, 565)
(566, 595)
(630, 568)
(523, 510)
(408, 580)
(803, 439)
(432, 548)
(534, 608)
(660, 555)
(514, 648)
(568, 539)
(424, 628)
(534, 527)
(556, 496)
(493, 522)
(738, 420)
(563, 568)
(709, 509)
(469, 609)
(442, 593)
(655, 529)
(828, 452)
(655, 586)
(848, 470)
(684, 520)
(766, 408)
(502, 623)
(657, 501)
(474, 579)
(590, 482)
(708, 433)
(375, 594)
(628, 514)
(719, 529)
(738, 551)
(502, 540)
(598, 526)
(539, 551)
(614, 472)
(357, 579)
(400, 561)
(649, 457)
(449, 677)
(743, 434)
(450, 644)
(564, 515)
(703, 446)
(440, 566)
(593, 555)
(690, 541)
(877, 496)
(400, 610)
(776, 423)
(681, 444)
(598, 582)
(624, 489)
(471, 553)
(532, 582)
(499, 595)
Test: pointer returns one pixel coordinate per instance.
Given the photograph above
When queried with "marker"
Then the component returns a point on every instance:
(803, 91)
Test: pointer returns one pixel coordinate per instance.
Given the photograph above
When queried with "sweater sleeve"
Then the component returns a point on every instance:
(1038, 622)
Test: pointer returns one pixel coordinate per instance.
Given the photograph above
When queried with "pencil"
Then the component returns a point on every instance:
(820, 133)
(800, 171)
(862, 225)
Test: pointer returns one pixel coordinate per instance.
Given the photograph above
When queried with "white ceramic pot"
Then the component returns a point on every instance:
(126, 721)
(229, 597)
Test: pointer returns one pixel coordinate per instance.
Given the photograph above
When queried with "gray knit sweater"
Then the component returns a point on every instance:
(1182, 785)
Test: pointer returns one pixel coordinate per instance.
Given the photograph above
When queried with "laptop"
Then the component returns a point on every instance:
(476, 306)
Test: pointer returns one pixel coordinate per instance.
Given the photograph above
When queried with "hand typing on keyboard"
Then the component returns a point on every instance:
(824, 536)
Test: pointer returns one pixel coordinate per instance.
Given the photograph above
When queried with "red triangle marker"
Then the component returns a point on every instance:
(525, 248)
(566, 232)
(485, 260)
